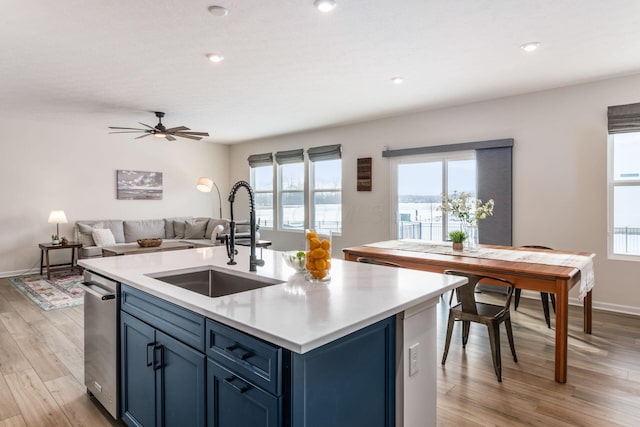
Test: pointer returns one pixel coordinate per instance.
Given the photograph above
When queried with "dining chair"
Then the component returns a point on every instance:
(469, 310)
(377, 262)
(544, 296)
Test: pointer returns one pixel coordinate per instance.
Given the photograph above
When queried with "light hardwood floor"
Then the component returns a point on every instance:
(41, 371)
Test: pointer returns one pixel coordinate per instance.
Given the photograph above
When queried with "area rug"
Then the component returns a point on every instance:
(51, 294)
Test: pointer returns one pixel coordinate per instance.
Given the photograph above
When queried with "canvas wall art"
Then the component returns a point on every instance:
(139, 185)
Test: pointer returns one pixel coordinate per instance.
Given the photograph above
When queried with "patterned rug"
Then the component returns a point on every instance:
(58, 292)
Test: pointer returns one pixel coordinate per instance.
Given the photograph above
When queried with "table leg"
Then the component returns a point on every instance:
(587, 312)
(48, 265)
(562, 330)
(41, 260)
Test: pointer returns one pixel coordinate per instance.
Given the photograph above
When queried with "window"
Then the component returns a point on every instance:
(624, 194)
(261, 180)
(291, 206)
(262, 184)
(420, 183)
(326, 195)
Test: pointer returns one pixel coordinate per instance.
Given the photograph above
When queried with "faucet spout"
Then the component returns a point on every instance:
(231, 251)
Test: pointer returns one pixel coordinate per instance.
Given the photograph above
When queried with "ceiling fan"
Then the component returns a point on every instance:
(160, 131)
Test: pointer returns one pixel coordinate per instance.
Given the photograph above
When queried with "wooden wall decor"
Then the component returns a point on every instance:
(364, 174)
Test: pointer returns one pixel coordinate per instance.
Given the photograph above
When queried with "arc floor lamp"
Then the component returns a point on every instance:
(206, 185)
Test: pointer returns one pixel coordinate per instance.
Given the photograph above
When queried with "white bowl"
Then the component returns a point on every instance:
(294, 261)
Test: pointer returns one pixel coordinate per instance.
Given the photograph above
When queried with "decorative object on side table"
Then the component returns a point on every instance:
(457, 238)
(318, 256)
(469, 211)
(149, 243)
(57, 218)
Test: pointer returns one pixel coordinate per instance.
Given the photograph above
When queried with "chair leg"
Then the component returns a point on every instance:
(448, 341)
(545, 307)
(517, 298)
(553, 301)
(507, 324)
(494, 340)
(466, 325)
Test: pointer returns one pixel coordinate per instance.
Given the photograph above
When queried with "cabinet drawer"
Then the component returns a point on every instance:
(234, 402)
(182, 324)
(252, 358)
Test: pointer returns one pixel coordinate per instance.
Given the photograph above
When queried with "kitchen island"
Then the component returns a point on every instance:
(315, 345)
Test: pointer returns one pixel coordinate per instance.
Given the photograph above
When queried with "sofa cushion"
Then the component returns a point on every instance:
(212, 224)
(90, 251)
(178, 229)
(169, 232)
(84, 232)
(194, 229)
(103, 237)
(143, 229)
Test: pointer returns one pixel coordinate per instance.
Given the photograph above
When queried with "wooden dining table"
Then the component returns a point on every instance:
(525, 275)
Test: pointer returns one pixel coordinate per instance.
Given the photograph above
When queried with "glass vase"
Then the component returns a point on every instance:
(318, 254)
(471, 243)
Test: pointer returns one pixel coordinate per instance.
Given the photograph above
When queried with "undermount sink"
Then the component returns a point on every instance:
(212, 282)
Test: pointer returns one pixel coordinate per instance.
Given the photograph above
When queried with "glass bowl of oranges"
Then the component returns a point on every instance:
(318, 255)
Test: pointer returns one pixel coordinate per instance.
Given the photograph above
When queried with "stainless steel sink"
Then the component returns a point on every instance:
(214, 283)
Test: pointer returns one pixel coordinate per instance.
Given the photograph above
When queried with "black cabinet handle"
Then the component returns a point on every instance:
(239, 352)
(150, 346)
(161, 364)
(242, 388)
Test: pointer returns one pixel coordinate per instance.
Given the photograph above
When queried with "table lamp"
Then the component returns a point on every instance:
(57, 218)
(206, 185)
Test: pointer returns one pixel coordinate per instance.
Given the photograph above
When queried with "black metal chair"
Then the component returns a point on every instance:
(469, 310)
(544, 296)
(377, 262)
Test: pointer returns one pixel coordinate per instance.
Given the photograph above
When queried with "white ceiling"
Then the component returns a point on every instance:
(289, 67)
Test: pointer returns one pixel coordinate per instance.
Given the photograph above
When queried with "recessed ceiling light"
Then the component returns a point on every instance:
(325, 5)
(530, 47)
(397, 80)
(215, 57)
(218, 11)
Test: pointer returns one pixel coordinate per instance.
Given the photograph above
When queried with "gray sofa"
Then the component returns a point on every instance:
(197, 231)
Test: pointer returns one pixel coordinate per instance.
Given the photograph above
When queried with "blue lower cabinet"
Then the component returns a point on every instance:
(234, 402)
(138, 377)
(163, 380)
(180, 384)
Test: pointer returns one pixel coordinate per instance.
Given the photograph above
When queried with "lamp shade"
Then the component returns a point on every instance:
(57, 217)
(204, 184)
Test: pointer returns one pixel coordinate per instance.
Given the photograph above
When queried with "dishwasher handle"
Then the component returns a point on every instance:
(97, 291)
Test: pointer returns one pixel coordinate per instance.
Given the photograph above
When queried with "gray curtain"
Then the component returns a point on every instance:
(256, 160)
(624, 118)
(494, 180)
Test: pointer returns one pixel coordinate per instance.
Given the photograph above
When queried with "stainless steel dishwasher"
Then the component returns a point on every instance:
(102, 340)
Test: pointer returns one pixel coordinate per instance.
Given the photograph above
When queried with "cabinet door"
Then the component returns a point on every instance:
(234, 402)
(181, 383)
(138, 375)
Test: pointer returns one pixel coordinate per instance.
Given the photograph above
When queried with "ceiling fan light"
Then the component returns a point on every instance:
(159, 134)
(325, 5)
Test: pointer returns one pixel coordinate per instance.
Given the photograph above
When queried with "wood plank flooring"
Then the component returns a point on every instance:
(41, 371)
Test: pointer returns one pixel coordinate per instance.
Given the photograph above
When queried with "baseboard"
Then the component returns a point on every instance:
(604, 306)
(27, 272)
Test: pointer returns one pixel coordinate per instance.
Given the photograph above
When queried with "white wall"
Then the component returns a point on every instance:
(63, 165)
(560, 181)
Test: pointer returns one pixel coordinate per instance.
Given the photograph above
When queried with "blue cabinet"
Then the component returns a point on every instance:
(163, 380)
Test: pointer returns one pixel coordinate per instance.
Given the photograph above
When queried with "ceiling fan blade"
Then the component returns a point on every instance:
(182, 135)
(170, 138)
(146, 125)
(114, 127)
(143, 136)
(192, 133)
(179, 128)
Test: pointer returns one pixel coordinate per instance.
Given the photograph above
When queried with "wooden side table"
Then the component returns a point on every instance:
(44, 253)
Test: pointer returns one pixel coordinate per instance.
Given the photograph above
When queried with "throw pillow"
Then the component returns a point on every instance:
(84, 233)
(103, 237)
(194, 229)
(178, 229)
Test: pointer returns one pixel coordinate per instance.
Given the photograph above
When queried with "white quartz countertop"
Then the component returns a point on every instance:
(296, 314)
